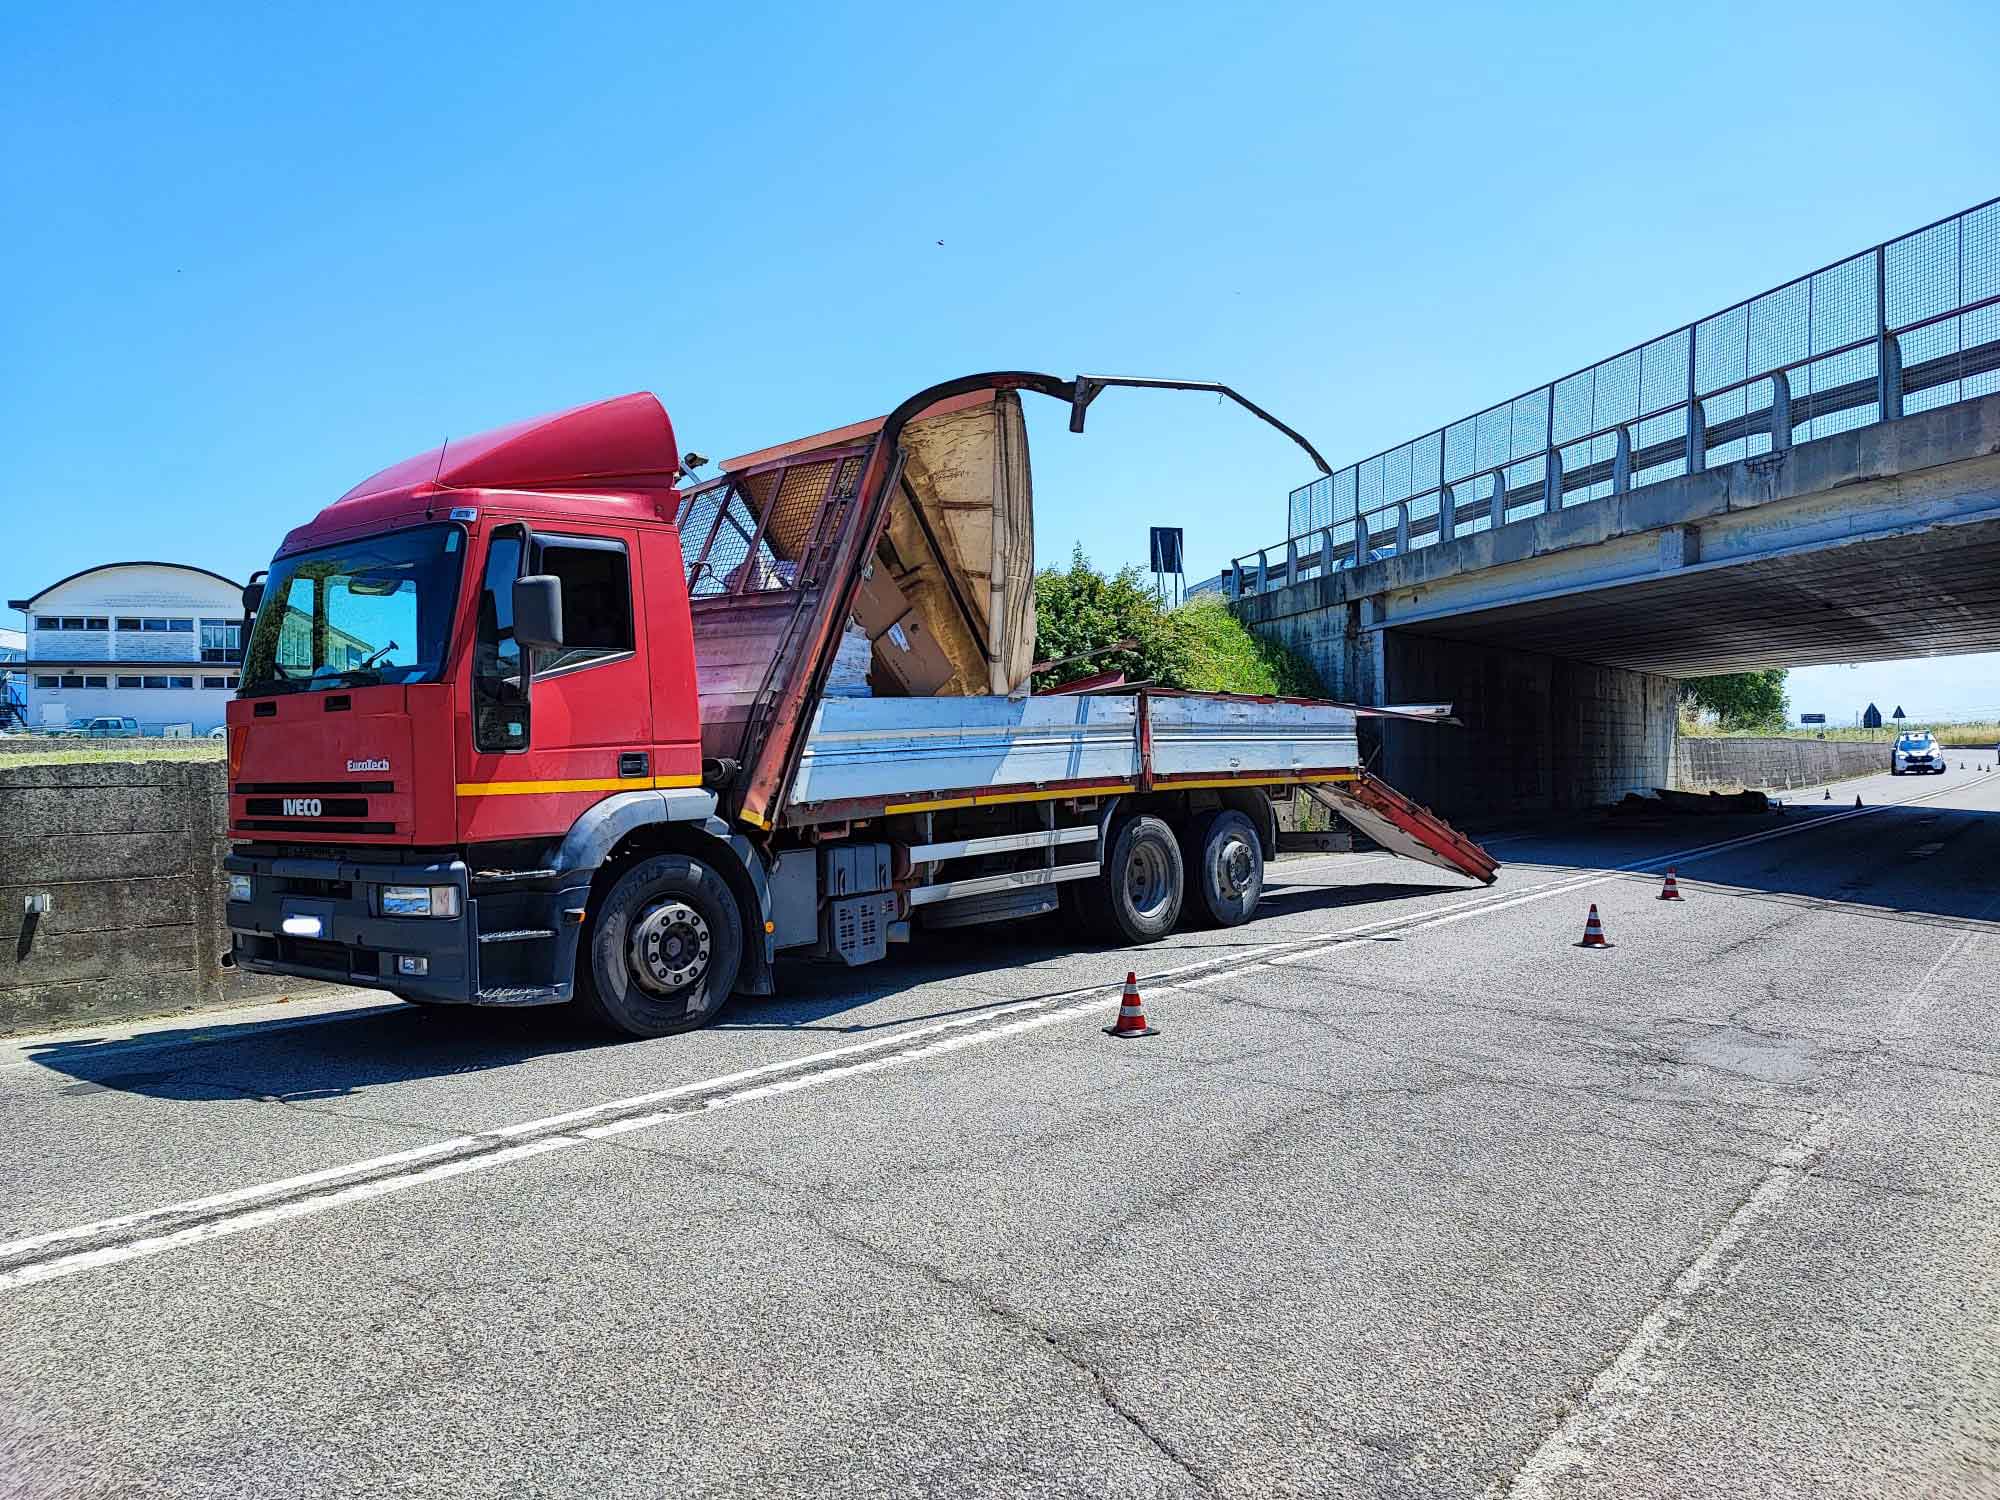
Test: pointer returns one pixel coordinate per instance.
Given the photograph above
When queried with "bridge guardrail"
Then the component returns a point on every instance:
(1908, 325)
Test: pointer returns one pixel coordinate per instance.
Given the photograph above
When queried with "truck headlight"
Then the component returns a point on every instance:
(419, 900)
(240, 888)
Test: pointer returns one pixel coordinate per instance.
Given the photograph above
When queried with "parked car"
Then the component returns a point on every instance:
(220, 732)
(1916, 751)
(110, 727)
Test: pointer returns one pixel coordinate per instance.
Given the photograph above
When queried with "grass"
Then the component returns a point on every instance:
(108, 750)
(1951, 736)
(1225, 656)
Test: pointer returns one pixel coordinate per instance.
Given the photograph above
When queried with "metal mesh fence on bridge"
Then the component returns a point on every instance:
(1909, 325)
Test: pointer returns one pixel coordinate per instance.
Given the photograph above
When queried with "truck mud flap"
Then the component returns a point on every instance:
(1402, 827)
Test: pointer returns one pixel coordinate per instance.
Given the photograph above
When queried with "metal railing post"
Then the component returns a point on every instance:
(1552, 481)
(1326, 552)
(1291, 561)
(1236, 579)
(1889, 377)
(1402, 527)
(1781, 411)
(1621, 464)
(1697, 440)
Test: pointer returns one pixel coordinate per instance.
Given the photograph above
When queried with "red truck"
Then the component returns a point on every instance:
(541, 717)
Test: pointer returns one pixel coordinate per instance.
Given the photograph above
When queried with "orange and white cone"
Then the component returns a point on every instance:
(1593, 931)
(1671, 891)
(1131, 1013)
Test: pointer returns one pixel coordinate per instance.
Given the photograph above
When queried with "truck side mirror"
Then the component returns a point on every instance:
(253, 595)
(538, 612)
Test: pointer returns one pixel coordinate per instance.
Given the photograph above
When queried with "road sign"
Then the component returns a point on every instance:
(1812, 718)
(1898, 714)
(1872, 719)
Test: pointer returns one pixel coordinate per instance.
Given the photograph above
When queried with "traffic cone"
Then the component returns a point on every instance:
(1131, 1013)
(1593, 931)
(1671, 891)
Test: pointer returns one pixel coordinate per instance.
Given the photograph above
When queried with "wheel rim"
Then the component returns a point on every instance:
(1235, 869)
(1147, 884)
(670, 947)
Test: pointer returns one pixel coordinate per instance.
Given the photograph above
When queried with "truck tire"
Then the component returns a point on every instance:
(1225, 869)
(662, 949)
(1137, 896)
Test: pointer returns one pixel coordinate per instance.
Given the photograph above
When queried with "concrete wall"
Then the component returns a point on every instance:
(130, 854)
(1773, 764)
(1541, 732)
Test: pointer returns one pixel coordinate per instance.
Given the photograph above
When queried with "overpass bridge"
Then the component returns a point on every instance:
(1812, 475)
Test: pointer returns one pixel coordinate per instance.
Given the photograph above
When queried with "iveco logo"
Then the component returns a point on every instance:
(368, 765)
(301, 807)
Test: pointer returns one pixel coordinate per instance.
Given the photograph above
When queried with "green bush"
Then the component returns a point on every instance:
(1227, 656)
(1201, 647)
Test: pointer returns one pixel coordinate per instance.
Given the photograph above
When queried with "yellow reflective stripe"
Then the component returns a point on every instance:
(588, 784)
(1256, 781)
(995, 799)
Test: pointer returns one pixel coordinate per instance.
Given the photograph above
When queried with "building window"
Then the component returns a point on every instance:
(131, 682)
(222, 640)
(47, 622)
(72, 679)
(91, 682)
(47, 682)
(180, 682)
(96, 622)
(184, 627)
(154, 623)
(153, 682)
(131, 622)
(219, 684)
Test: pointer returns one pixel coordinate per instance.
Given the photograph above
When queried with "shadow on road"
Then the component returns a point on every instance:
(344, 1054)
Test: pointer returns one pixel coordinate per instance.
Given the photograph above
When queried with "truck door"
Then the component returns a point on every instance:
(575, 725)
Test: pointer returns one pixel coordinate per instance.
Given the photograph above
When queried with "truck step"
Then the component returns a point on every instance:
(517, 935)
(521, 994)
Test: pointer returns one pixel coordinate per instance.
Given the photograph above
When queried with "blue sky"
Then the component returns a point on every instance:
(255, 253)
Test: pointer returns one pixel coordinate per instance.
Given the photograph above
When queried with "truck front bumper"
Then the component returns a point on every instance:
(338, 933)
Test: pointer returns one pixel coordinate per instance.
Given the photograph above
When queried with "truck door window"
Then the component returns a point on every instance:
(596, 601)
(499, 688)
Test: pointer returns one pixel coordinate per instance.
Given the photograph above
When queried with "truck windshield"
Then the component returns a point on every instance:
(373, 610)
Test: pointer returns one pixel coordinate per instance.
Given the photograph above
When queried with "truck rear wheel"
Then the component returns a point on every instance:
(662, 949)
(1225, 865)
(1136, 898)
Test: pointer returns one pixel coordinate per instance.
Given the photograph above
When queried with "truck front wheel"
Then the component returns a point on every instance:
(662, 949)
(1136, 898)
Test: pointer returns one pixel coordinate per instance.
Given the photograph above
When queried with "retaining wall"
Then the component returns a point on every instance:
(130, 855)
(1772, 764)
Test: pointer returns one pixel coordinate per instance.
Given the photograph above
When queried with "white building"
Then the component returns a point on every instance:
(153, 641)
(13, 686)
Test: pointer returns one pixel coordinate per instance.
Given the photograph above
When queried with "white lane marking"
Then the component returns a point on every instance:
(467, 1142)
(90, 1260)
(1623, 1386)
(1291, 949)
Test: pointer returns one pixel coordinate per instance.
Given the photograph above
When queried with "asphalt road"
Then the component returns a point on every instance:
(1410, 1196)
